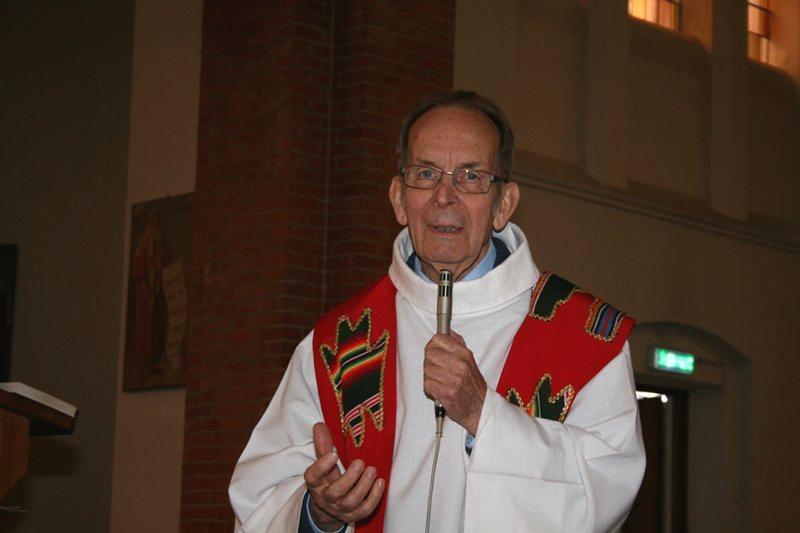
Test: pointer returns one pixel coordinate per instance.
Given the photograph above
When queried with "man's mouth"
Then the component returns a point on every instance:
(447, 229)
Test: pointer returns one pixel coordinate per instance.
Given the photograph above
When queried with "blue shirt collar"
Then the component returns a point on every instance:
(486, 264)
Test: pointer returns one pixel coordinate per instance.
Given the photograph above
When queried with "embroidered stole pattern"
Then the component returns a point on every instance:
(566, 339)
(357, 380)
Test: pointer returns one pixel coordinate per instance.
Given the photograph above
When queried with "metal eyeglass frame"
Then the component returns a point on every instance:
(492, 178)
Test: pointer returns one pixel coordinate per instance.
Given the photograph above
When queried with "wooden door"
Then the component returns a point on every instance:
(647, 514)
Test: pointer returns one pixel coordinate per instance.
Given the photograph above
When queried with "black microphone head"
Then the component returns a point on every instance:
(445, 283)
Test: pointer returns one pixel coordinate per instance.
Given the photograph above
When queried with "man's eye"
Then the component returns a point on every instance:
(471, 176)
(426, 174)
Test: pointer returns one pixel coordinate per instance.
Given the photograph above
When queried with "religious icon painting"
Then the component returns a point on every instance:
(158, 276)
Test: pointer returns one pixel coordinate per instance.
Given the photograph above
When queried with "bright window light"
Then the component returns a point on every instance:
(665, 13)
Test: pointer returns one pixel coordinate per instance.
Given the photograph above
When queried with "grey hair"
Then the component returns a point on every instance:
(467, 100)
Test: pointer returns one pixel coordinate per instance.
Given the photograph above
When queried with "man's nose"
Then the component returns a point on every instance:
(445, 193)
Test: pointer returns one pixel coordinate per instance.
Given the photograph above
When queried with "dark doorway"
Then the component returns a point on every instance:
(660, 505)
(8, 276)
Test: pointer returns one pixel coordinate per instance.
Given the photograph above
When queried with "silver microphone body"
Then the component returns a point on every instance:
(444, 302)
(444, 310)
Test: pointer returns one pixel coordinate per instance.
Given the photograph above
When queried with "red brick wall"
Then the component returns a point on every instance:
(300, 104)
(387, 55)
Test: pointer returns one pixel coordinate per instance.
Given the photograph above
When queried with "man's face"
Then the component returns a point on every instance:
(451, 229)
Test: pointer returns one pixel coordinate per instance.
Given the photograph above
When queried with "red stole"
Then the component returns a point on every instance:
(566, 339)
(354, 361)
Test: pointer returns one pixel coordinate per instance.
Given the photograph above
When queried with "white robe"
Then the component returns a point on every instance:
(524, 474)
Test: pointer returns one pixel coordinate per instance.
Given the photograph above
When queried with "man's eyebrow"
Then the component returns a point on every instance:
(468, 164)
(427, 162)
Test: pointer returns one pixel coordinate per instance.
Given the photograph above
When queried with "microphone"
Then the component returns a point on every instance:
(444, 309)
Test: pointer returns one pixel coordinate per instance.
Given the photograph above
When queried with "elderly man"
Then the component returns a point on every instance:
(535, 376)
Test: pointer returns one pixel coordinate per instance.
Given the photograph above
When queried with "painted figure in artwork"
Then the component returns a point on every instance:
(150, 321)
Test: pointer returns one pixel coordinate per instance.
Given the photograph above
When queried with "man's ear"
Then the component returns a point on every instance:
(397, 198)
(509, 198)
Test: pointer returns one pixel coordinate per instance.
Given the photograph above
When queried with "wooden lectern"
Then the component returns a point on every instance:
(26, 412)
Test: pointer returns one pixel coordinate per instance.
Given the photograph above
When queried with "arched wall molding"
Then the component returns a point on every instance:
(720, 428)
(713, 354)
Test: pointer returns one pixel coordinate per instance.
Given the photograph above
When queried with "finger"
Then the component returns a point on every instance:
(446, 343)
(356, 495)
(370, 502)
(320, 469)
(332, 475)
(433, 371)
(440, 340)
(323, 442)
(436, 388)
(436, 357)
(337, 490)
(458, 338)
(429, 388)
(446, 379)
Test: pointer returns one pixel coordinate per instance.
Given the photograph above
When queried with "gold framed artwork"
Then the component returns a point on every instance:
(157, 309)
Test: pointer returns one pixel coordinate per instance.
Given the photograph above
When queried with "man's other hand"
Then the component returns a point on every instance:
(452, 377)
(337, 498)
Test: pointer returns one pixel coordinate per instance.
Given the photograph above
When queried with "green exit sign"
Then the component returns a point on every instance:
(673, 361)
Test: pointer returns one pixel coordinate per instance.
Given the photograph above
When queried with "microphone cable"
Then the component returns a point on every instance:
(444, 309)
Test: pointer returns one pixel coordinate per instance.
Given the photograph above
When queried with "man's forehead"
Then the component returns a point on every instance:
(462, 132)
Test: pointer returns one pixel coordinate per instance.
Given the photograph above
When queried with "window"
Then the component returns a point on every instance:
(665, 13)
(758, 15)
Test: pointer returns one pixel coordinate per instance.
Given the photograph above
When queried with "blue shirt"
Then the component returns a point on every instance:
(486, 264)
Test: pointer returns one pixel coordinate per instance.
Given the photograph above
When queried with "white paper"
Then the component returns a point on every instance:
(177, 310)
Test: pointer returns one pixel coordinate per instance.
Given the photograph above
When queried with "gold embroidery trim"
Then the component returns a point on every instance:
(589, 320)
(537, 290)
(367, 312)
(567, 392)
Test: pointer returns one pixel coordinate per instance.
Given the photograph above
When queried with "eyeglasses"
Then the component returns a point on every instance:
(464, 180)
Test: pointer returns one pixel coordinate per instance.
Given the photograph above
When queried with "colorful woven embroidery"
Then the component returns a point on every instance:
(356, 369)
(604, 320)
(542, 404)
(550, 292)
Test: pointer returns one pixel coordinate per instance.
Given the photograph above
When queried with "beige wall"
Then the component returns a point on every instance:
(772, 147)
(548, 88)
(535, 58)
(64, 110)
(162, 161)
(651, 242)
(73, 164)
(668, 118)
(696, 20)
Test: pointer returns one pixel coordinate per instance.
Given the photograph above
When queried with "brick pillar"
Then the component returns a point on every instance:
(387, 55)
(257, 270)
(295, 153)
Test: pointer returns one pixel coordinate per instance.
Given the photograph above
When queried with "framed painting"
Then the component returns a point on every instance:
(157, 309)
